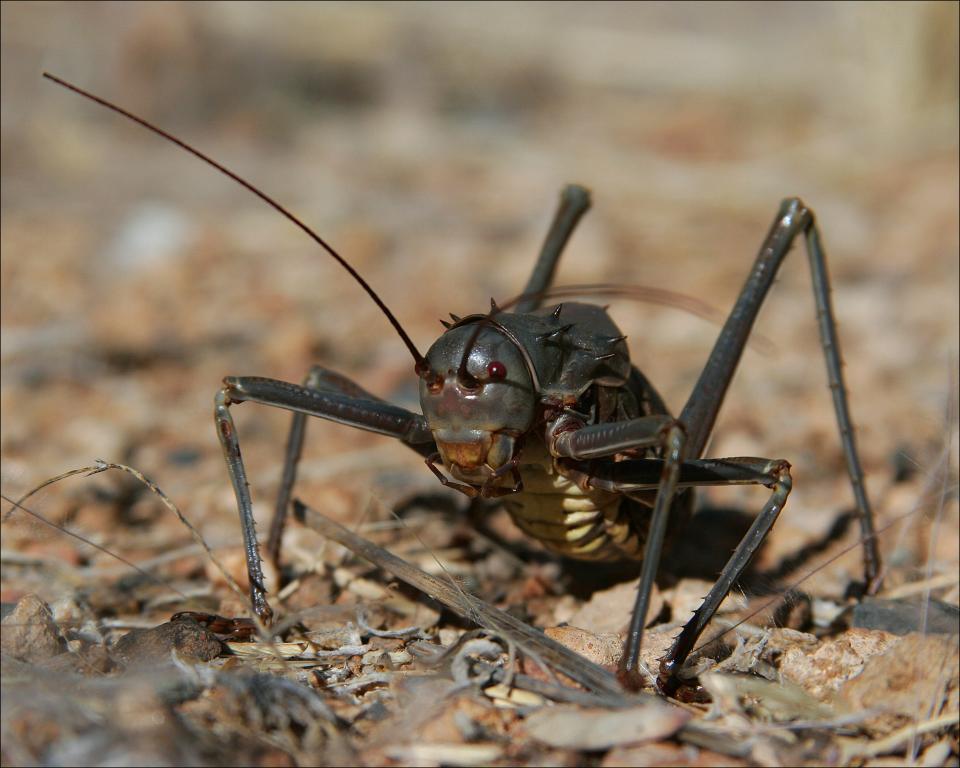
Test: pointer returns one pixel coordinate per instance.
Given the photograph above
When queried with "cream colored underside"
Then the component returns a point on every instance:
(585, 525)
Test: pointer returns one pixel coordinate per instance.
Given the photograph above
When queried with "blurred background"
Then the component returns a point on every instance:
(428, 143)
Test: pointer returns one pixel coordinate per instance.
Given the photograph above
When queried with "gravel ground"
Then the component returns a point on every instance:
(428, 143)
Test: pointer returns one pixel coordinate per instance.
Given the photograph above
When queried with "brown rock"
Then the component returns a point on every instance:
(609, 610)
(913, 675)
(825, 669)
(152, 646)
(30, 633)
(604, 649)
(688, 594)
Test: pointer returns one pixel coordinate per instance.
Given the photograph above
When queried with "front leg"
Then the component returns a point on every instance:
(320, 379)
(615, 437)
(241, 489)
(371, 415)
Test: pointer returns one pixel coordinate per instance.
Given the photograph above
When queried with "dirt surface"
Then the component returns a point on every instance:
(428, 144)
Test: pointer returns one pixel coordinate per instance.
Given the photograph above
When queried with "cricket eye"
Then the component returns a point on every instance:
(496, 371)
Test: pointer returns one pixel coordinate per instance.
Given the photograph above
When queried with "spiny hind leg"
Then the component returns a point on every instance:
(699, 414)
(574, 202)
(633, 476)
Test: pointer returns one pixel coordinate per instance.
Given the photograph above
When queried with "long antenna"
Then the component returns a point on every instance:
(421, 363)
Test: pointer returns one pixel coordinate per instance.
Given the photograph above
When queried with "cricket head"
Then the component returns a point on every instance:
(479, 399)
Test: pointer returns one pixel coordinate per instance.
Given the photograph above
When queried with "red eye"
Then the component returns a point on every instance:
(497, 370)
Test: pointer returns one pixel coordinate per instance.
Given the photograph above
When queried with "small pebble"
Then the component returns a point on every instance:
(151, 646)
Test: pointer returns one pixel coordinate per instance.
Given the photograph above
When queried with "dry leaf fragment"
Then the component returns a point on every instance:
(444, 754)
(572, 727)
(666, 754)
(779, 702)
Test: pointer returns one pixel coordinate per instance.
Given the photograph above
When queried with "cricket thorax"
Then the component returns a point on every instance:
(566, 519)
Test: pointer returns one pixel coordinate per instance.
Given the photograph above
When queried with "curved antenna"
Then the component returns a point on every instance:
(421, 366)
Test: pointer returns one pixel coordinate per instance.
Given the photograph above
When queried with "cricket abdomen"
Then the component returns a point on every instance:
(566, 519)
